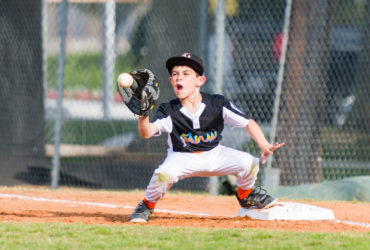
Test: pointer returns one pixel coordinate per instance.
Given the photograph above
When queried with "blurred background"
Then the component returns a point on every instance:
(299, 68)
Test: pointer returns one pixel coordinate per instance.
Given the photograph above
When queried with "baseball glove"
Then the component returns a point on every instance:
(142, 95)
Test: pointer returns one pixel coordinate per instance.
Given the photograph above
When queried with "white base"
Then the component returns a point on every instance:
(288, 211)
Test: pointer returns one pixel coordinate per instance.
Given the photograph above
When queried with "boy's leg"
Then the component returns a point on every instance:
(176, 166)
(219, 161)
(246, 167)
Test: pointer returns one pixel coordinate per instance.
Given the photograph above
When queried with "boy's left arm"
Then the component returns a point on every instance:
(255, 131)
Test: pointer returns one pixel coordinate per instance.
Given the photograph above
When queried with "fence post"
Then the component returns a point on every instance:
(58, 116)
(220, 39)
(109, 54)
(220, 45)
(271, 176)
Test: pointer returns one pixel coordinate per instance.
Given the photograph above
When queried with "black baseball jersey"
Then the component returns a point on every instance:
(200, 131)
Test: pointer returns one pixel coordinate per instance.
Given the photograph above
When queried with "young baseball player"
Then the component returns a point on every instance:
(194, 122)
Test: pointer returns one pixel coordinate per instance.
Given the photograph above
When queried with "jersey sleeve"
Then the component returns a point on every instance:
(162, 120)
(233, 116)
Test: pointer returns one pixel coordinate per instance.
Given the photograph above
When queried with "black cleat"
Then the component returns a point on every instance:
(259, 198)
(141, 213)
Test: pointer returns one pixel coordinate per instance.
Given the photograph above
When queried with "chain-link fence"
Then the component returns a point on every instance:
(299, 68)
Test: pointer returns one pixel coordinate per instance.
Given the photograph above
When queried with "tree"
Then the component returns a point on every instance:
(301, 116)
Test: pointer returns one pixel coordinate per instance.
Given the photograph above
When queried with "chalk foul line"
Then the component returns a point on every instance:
(97, 204)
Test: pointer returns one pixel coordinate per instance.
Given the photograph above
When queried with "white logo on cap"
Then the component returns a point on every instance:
(188, 55)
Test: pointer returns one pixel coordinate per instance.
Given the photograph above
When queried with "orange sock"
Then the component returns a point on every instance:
(149, 204)
(243, 193)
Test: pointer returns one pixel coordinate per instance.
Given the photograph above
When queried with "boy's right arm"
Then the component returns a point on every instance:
(256, 133)
(146, 129)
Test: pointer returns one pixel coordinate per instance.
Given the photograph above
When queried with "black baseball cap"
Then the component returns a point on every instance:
(186, 59)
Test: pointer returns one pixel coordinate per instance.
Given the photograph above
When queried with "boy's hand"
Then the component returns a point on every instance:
(269, 149)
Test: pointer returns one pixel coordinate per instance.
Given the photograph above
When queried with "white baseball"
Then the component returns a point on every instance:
(125, 80)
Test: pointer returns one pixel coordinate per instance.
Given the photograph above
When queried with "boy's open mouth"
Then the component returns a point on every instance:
(179, 87)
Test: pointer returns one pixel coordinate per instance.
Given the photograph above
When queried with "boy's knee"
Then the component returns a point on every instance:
(166, 177)
(254, 170)
(251, 166)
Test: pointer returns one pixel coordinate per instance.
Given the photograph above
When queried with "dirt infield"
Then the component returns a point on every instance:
(31, 204)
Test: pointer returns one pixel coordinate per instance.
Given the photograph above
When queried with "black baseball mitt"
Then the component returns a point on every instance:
(142, 95)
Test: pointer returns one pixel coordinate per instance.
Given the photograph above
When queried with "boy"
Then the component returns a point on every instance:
(194, 122)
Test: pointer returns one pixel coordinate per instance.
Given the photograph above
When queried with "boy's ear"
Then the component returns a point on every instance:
(201, 80)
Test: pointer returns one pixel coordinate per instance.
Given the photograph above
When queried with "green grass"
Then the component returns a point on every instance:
(80, 236)
(84, 71)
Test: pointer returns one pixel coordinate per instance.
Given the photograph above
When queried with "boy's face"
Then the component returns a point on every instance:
(185, 81)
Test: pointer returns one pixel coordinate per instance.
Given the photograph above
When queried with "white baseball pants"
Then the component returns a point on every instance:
(216, 162)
